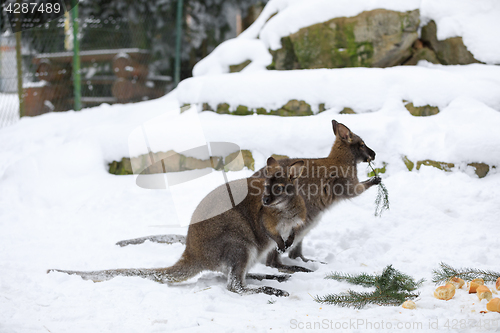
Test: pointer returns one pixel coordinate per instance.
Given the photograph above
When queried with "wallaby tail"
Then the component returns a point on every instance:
(179, 272)
(166, 239)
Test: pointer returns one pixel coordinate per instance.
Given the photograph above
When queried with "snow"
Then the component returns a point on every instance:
(60, 208)
(235, 51)
(362, 89)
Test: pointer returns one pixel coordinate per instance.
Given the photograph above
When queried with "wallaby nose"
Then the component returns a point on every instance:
(266, 200)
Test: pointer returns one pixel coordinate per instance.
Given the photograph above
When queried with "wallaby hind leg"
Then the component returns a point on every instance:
(237, 262)
(164, 239)
(260, 277)
(274, 260)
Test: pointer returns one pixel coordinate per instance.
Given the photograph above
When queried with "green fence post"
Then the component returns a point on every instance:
(178, 40)
(76, 58)
(19, 74)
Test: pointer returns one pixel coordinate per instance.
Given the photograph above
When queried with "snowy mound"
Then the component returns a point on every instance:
(363, 89)
(477, 23)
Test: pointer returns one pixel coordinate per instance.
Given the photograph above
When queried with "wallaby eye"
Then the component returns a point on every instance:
(278, 189)
(362, 144)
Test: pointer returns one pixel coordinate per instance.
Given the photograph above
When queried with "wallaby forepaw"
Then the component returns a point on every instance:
(281, 249)
(375, 180)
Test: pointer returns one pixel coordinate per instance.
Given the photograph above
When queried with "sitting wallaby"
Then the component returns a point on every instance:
(324, 182)
(234, 240)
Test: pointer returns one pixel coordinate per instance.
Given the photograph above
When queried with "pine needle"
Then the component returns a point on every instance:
(391, 288)
(446, 272)
(382, 200)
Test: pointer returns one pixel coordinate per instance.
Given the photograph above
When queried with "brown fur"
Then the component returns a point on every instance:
(231, 242)
(324, 182)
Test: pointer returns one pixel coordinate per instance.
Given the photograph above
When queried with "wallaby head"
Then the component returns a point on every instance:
(279, 184)
(345, 139)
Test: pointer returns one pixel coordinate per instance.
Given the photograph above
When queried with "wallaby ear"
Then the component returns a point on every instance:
(271, 162)
(296, 169)
(334, 125)
(344, 133)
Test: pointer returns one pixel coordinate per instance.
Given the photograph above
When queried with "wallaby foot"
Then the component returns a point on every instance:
(260, 277)
(273, 260)
(164, 239)
(237, 274)
(240, 288)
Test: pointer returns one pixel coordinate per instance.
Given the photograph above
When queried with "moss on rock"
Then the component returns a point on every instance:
(377, 38)
(440, 165)
(422, 111)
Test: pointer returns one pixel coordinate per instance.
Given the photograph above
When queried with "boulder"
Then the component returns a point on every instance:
(451, 51)
(377, 38)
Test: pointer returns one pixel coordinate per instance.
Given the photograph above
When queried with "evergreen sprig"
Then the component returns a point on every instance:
(382, 200)
(446, 272)
(391, 288)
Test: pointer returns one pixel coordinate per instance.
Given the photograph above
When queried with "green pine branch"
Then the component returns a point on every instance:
(359, 300)
(446, 272)
(362, 279)
(391, 288)
(382, 200)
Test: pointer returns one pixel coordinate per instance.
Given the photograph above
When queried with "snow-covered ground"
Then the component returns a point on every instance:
(60, 208)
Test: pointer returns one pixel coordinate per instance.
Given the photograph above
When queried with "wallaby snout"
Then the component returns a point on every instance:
(369, 154)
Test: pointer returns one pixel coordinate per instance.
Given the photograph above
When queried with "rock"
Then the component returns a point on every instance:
(239, 67)
(347, 111)
(223, 108)
(284, 58)
(409, 164)
(242, 110)
(424, 53)
(451, 51)
(232, 163)
(377, 38)
(321, 107)
(422, 111)
(481, 169)
(192, 163)
(293, 108)
(279, 157)
(121, 168)
(440, 165)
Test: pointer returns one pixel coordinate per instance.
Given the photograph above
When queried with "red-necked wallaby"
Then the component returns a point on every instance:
(234, 240)
(324, 182)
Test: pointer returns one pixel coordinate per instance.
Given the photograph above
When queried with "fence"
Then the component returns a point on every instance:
(117, 66)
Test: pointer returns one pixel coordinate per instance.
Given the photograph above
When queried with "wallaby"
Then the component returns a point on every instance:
(234, 240)
(324, 182)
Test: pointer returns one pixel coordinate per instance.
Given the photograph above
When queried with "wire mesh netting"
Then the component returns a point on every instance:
(127, 51)
(116, 67)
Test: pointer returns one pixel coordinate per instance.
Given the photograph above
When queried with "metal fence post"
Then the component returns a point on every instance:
(177, 73)
(76, 57)
(19, 74)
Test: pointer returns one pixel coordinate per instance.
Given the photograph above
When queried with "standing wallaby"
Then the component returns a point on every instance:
(324, 182)
(234, 240)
